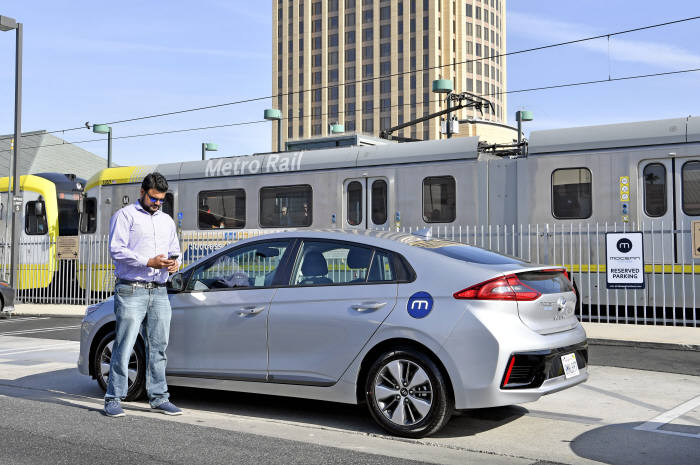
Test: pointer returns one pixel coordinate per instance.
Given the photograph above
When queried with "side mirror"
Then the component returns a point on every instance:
(177, 282)
(39, 208)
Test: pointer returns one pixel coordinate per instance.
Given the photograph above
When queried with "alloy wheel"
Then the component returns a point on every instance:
(403, 392)
(106, 358)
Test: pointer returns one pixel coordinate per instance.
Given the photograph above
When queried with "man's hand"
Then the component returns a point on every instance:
(174, 267)
(160, 261)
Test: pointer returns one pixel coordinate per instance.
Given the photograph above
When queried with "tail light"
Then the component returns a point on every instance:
(502, 288)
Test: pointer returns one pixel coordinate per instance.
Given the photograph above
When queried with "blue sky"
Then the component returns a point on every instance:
(86, 62)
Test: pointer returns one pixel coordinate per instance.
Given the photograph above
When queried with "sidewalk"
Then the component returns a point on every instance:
(653, 337)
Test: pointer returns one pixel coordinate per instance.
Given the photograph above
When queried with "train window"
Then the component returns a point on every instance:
(655, 190)
(285, 206)
(169, 205)
(379, 202)
(221, 209)
(571, 193)
(439, 199)
(354, 203)
(88, 219)
(35, 218)
(691, 188)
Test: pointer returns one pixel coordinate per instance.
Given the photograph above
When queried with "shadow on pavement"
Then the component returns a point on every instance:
(55, 386)
(621, 444)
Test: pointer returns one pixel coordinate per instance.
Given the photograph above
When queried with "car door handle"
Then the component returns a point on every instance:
(367, 306)
(252, 310)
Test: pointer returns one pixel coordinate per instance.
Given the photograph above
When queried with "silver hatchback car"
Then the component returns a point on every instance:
(413, 327)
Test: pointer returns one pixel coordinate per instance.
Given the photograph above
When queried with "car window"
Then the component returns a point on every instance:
(381, 269)
(470, 254)
(243, 267)
(321, 262)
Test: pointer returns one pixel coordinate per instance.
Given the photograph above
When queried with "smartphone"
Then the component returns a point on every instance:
(174, 256)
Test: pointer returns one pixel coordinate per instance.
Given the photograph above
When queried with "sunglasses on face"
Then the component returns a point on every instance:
(155, 200)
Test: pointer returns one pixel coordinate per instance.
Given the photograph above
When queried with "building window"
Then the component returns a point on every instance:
(385, 50)
(316, 25)
(349, 19)
(439, 199)
(655, 189)
(333, 40)
(286, 206)
(349, 90)
(333, 93)
(332, 58)
(349, 37)
(221, 209)
(350, 73)
(690, 175)
(367, 52)
(350, 54)
(367, 34)
(368, 88)
(385, 86)
(368, 125)
(333, 23)
(571, 193)
(385, 31)
(469, 10)
(316, 43)
(332, 75)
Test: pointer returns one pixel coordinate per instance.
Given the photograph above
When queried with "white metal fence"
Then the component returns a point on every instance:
(671, 295)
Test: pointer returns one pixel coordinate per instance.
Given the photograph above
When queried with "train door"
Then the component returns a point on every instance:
(656, 209)
(365, 203)
(687, 205)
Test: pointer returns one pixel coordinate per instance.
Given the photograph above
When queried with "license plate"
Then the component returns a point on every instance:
(568, 361)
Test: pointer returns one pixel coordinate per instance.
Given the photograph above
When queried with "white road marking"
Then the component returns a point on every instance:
(28, 318)
(654, 424)
(38, 330)
(23, 350)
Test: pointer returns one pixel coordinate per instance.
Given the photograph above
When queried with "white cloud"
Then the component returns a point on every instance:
(656, 54)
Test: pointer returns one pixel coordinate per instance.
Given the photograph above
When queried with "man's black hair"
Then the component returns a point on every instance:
(155, 181)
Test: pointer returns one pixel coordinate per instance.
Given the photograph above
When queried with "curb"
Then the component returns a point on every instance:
(644, 344)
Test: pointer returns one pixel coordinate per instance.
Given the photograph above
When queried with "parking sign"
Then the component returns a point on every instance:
(624, 260)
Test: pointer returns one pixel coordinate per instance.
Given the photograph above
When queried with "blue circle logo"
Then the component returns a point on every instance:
(419, 304)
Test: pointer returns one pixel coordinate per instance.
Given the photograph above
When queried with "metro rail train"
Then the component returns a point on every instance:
(640, 175)
(49, 219)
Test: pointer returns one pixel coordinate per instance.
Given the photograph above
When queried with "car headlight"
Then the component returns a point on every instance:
(92, 308)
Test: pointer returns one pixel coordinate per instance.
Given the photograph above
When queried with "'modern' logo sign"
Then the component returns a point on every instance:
(624, 245)
(419, 304)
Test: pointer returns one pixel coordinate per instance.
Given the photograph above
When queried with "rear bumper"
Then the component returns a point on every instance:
(534, 369)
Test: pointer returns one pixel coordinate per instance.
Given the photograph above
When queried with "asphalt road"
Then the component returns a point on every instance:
(52, 414)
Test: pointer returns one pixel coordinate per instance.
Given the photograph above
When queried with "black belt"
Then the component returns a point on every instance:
(145, 284)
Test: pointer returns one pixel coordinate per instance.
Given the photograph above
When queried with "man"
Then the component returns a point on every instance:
(144, 247)
(284, 218)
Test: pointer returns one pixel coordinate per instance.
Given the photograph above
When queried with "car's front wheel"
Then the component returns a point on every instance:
(137, 367)
(407, 395)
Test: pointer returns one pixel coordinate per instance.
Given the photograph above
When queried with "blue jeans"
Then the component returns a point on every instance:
(135, 306)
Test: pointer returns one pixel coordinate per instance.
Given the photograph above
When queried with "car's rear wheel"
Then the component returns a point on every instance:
(137, 367)
(407, 395)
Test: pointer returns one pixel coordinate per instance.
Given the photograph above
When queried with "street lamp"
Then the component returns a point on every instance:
(337, 128)
(444, 86)
(208, 147)
(104, 129)
(521, 116)
(8, 24)
(272, 115)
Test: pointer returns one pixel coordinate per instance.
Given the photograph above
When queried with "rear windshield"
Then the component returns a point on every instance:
(546, 282)
(471, 254)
